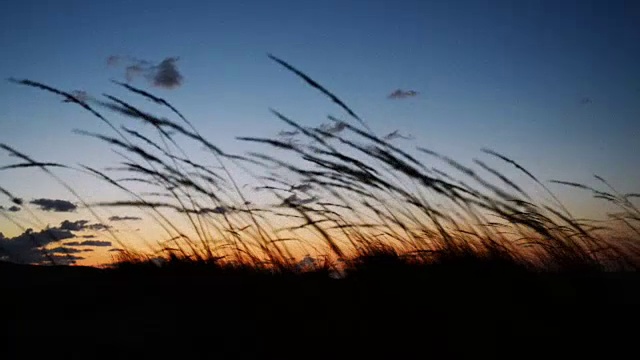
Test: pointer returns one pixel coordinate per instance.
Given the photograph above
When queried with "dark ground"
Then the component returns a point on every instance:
(85, 313)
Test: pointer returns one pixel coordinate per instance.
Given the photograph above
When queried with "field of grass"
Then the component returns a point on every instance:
(412, 256)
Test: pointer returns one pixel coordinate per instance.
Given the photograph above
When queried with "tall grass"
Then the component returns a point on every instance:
(350, 195)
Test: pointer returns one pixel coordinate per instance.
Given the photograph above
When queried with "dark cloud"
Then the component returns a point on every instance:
(81, 225)
(27, 248)
(216, 210)
(402, 94)
(124, 218)
(88, 243)
(55, 205)
(66, 259)
(98, 227)
(164, 74)
(64, 250)
(78, 225)
(167, 74)
(95, 243)
(13, 208)
(35, 247)
(116, 250)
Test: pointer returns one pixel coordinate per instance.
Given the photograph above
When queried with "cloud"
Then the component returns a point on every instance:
(34, 247)
(94, 243)
(55, 205)
(98, 227)
(285, 133)
(74, 225)
(164, 74)
(167, 74)
(81, 225)
(132, 71)
(124, 218)
(87, 243)
(27, 248)
(403, 94)
(11, 209)
(64, 250)
(586, 100)
(66, 259)
(216, 210)
(113, 60)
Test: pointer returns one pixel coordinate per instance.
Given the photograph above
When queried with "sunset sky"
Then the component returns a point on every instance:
(553, 84)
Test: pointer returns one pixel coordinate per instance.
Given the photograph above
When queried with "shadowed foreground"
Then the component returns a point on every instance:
(194, 311)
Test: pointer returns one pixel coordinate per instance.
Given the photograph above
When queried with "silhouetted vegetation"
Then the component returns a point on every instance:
(408, 256)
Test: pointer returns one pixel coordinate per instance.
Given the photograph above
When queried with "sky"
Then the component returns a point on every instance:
(554, 85)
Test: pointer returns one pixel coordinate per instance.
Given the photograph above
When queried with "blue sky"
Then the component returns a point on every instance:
(509, 75)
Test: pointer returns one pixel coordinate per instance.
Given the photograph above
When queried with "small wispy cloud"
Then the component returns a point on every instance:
(81, 225)
(88, 243)
(402, 94)
(55, 205)
(64, 250)
(586, 100)
(98, 227)
(113, 60)
(164, 74)
(95, 243)
(285, 133)
(124, 218)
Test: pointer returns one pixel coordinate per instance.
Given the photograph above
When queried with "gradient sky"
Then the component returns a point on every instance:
(509, 75)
